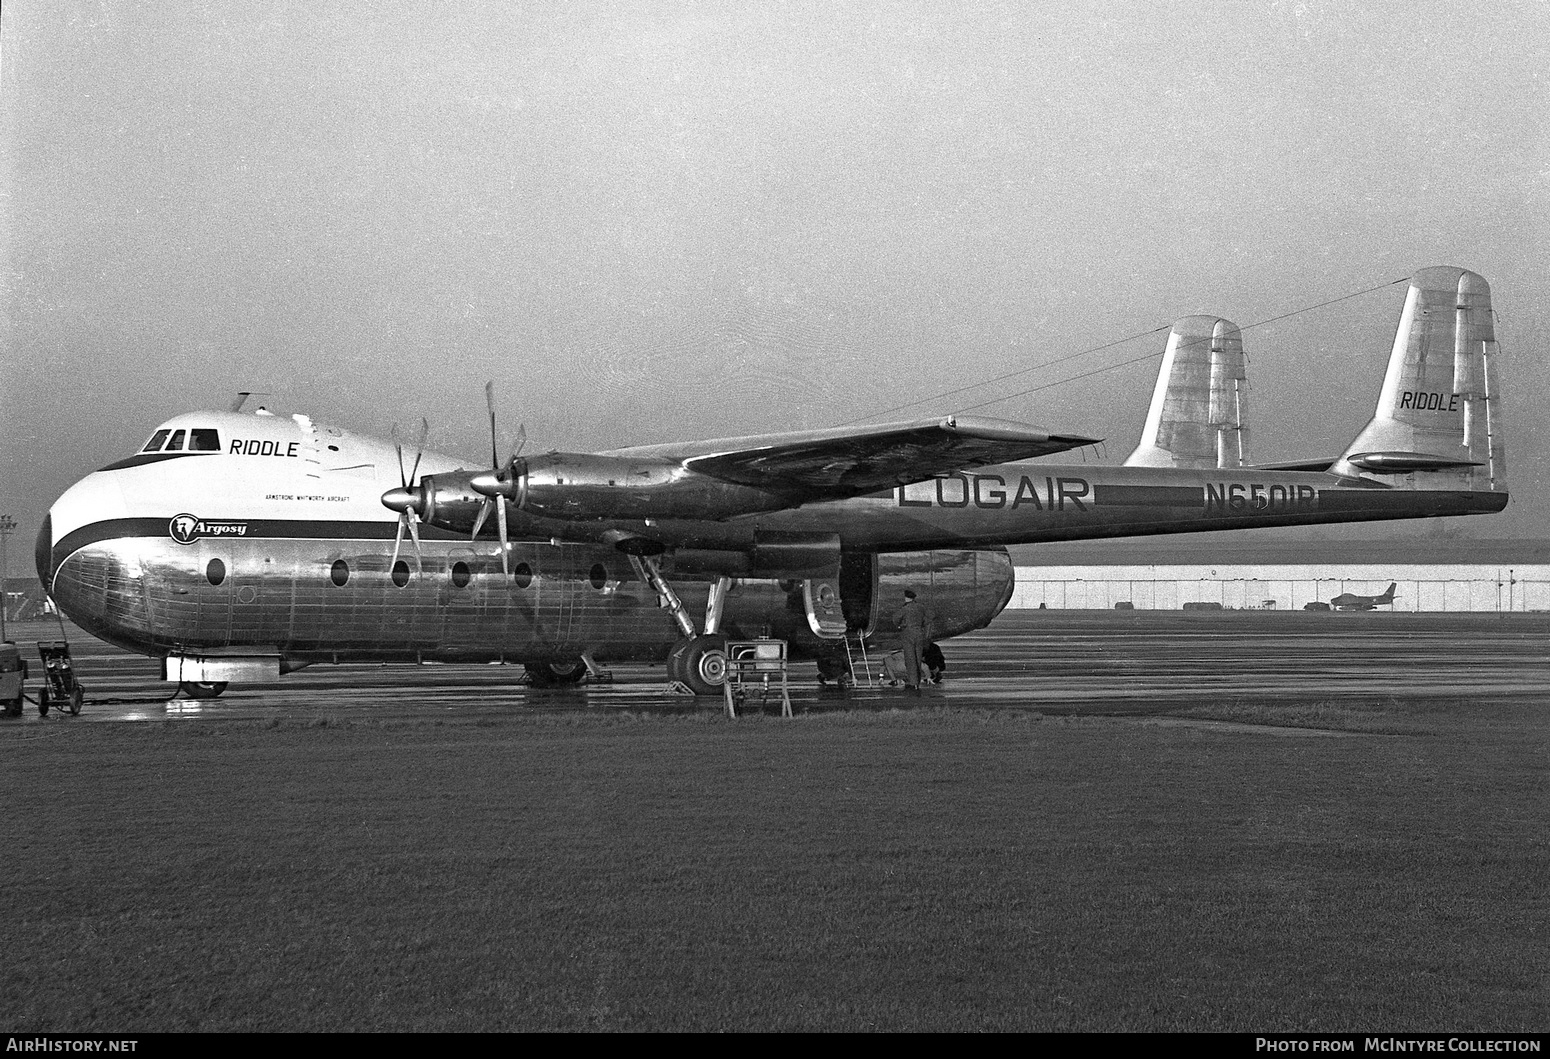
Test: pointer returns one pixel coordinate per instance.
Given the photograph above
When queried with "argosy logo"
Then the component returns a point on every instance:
(186, 529)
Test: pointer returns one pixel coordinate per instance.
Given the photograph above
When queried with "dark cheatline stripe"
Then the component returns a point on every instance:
(1187, 496)
(151, 457)
(1404, 501)
(258, 529)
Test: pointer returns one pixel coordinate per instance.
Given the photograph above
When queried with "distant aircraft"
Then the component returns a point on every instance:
(240, 547)
(1352, 601)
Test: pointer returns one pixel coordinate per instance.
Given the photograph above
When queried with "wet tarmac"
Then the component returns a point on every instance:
(1086, 662)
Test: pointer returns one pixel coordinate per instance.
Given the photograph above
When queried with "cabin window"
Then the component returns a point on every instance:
(523, 575)
(204, 440)
(176, 444)
(339, 573)
(215, 572)
(598, 575)
(460, 574)
(400, 573)
(158, 439)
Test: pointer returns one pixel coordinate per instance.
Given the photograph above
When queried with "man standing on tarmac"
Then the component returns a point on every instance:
(912, 624)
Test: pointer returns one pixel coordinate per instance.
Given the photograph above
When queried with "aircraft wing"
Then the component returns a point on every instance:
(852, 461)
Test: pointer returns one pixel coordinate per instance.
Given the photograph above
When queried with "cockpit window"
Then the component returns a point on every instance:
(199, 439)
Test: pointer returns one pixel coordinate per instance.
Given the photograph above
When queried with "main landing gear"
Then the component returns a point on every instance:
(699, 662)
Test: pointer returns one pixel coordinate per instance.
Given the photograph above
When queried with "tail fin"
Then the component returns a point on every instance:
(1198, 416)
(1438, 419)
(1388, 595)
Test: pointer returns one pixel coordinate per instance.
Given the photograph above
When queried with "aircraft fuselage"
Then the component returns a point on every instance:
(288, 554)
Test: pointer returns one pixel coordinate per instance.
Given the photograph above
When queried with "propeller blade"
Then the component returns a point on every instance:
(419, 449)
(414, 532)
(521, 440)
(500, 518)
(489, 400)
(398, 447)
(484, 513)
(398, 540)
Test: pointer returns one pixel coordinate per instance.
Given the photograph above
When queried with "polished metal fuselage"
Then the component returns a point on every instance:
(279, 596)
(279, 545)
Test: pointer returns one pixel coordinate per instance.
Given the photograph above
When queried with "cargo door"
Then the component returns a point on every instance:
(858, 591)
(825, 607)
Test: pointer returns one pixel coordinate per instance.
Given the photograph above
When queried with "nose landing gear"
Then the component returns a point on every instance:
(202, 689)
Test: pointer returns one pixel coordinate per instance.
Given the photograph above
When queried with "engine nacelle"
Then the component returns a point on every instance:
(448, 500)
(578, 486)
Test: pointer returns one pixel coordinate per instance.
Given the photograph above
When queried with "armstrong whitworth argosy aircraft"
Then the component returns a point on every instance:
(240, 547)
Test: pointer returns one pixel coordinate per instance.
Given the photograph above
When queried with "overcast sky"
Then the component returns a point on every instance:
(659, 221)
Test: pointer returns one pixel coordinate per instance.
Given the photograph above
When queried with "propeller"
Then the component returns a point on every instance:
(497, 484)
(407, 499)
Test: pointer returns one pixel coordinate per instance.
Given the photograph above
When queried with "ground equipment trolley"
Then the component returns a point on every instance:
(750, 663)
(60, 688)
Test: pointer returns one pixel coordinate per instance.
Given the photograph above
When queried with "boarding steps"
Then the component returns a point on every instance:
(862, 673)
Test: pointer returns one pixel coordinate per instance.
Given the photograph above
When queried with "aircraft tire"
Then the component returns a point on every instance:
(202, 689)
(548, 675)
(700, 664)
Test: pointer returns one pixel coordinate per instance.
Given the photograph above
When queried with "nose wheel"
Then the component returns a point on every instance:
(202, 689)
(555, 674)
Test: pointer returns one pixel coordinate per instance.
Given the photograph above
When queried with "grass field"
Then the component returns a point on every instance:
(909, 870)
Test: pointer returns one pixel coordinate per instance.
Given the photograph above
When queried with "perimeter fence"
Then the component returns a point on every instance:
(1508, 592)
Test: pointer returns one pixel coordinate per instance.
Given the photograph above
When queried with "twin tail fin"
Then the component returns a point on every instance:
(1438, 424)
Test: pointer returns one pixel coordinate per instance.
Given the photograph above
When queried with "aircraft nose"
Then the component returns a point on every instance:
(43, 551)
(88, 555)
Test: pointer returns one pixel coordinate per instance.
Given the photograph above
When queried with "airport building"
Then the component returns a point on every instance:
(1453, 576)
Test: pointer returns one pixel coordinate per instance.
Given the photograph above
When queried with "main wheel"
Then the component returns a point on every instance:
(202, 689)
(700, 664)
(551, 674)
